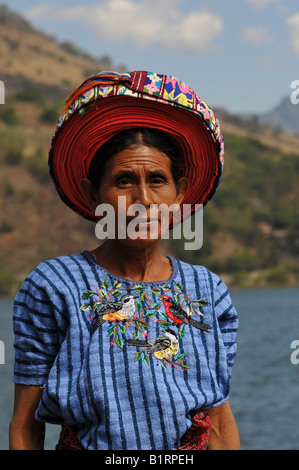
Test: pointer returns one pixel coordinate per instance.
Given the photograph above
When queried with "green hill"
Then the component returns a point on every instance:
(251, 227)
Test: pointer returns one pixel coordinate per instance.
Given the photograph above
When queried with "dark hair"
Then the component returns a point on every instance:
(132, 137)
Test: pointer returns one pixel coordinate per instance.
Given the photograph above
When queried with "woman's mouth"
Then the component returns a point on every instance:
(146, 221)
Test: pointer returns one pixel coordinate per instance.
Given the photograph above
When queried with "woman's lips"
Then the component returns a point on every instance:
(145, 222)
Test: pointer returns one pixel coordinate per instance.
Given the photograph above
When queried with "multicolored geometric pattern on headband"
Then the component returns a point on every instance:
(165, 89)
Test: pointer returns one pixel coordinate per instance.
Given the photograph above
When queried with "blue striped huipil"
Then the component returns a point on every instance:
(115, 395)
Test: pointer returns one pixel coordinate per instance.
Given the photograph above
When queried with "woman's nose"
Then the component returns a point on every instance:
(142, 195)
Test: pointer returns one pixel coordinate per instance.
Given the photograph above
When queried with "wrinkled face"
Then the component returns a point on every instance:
(141, 175)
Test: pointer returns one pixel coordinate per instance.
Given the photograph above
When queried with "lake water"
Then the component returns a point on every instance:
(265, 385)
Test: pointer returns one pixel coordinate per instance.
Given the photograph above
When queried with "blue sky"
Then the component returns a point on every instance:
(241, 55)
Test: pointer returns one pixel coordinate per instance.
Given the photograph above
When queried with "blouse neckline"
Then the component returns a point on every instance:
(92, 259)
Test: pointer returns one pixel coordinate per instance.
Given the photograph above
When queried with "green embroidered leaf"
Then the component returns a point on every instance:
(162, 324)
(150, 313)
(119, 341)
(139, 289)
(141, 324)
(111, 331)
(157, 305)
(177, 299)
(138, 304)
(141, 357)
(189, 310)
(184, 367)
(182, 332)
(137, 356)
(142, 297)
(165, 287)
(116, 284)
(97, 306)
(162, 315)
(85, 307)
(123, 329)
(136, 334)
(155, 290)
(202, 302)
(179, 357)
(178, 286)
(144, 358)
(105, 283)
(88, 294)
(116, 293)
(164, 365)
(103, 293)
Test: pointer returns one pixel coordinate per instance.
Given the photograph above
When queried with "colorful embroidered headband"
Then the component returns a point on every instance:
(108, 103)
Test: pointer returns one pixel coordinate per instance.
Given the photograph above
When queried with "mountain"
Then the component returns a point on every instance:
(251, 227)
(284, 117)
(29, 59)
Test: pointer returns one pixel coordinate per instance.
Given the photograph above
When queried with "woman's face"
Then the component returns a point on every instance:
(140, 175)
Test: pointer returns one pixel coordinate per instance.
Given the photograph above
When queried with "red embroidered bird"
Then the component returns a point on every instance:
(179, 316)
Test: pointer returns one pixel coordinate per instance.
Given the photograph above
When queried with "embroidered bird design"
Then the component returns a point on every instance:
(164, 347)
(115, 311)
(175, 313)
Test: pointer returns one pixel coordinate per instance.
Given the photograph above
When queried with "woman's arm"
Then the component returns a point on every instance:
(224, 433)
(25, 433)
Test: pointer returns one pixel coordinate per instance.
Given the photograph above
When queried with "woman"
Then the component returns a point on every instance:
(111, 344)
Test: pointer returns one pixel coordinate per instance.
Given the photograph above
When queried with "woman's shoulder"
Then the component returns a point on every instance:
(211, 287)
(199, 271)
(54, 270)
(53, 280)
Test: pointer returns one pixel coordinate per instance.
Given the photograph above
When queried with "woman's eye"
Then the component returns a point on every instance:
(124, 182)
(158, 180)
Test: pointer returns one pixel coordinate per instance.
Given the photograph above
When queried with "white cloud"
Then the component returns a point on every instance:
(256, 35)
(262, 3)
(259, 3)
(143, 22)
(195, 32)
(293, 24)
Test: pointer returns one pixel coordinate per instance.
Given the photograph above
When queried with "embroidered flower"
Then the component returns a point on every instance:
(151, 87)
(206, 114)
(155, 78)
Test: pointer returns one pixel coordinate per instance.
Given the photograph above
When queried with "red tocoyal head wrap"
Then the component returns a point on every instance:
(108, 103)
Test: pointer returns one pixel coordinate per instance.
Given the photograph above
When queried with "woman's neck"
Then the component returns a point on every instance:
(143, 264)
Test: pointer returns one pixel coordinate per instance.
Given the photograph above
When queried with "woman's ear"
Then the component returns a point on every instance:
(89, 194)
(182, 189)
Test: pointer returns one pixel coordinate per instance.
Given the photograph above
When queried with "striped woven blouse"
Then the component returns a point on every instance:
(124, 364)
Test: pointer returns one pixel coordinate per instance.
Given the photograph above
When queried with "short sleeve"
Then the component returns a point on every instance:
(39, 323)
(228, 322)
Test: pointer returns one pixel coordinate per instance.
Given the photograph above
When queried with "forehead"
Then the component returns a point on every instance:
(139, 157)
